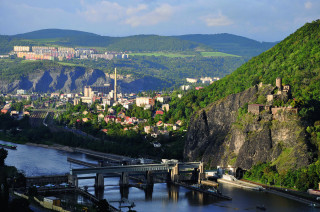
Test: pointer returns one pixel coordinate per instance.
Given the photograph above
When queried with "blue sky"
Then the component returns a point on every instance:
(262, 20)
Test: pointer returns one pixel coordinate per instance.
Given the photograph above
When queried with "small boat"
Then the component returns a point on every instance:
(196, 186)
(213, 190)
(8, 146)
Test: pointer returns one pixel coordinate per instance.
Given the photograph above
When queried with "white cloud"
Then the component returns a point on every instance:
(103, 11)
(216, 20)
(159, 14)
(134, 10)
(308, 5)
(140, 15)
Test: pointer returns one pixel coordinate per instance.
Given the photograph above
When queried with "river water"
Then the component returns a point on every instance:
(37, 161)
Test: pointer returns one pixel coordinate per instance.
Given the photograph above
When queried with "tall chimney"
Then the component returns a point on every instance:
(115, 85)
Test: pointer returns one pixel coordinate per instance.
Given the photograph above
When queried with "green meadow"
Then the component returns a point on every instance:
(217, 54)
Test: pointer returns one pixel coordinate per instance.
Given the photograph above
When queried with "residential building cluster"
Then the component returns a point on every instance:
(106, 100)
(203, 80)
(60, 53)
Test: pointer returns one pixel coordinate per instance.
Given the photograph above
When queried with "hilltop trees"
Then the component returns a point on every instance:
(3, 156)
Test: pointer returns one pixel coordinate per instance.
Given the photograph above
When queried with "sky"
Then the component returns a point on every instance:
(262, 20)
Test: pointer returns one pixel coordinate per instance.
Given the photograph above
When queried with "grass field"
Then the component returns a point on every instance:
(165, 54)
(217, 54)
(28, 61)
(177, 54)
(69, 64)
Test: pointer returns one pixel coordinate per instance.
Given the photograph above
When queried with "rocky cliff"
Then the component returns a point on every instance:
(220, 135)
(73, 79)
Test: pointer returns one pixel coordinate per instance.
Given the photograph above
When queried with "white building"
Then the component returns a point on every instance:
(21, 92)
(185, 87)
(163, 99)
(192, 80)
(141, 101)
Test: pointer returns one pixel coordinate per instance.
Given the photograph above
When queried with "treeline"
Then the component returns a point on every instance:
(300, 179)
(15, 68)
(7, 42)
(142, 43)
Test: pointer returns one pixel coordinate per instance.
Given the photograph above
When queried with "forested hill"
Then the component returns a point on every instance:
(231, 44)
(54, 33)
(138, 43)
(296, 59)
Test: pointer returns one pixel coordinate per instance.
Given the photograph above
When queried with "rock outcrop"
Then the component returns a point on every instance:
(73, 79)
(220, 135)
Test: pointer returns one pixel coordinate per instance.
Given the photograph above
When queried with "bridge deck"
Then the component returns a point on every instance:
(79, 162)
(133, 168)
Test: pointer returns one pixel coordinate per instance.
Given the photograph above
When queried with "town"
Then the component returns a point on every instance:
(61, 53)
(105, 108)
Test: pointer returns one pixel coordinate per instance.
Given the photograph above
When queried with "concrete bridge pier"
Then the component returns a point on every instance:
(175, 173)
(73, 180)
(148, 192)
(124, 179)
(99, 181)
(202, 174)
(99, 193)
(195, 175)
(168, 178)
(149, 178)
(124, 191)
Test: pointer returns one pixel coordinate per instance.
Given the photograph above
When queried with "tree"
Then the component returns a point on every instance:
(3, 156)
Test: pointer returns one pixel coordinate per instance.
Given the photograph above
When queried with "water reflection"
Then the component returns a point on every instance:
(124, 191)
(173, 192)
(148, 192)
(36, 161)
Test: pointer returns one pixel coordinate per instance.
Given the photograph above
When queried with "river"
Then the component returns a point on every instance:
(37, 161)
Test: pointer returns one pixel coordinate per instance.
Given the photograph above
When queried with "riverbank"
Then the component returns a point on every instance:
(290, 194)
(241, 184)
(54, 146)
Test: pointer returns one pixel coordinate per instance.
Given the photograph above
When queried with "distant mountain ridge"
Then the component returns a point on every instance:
(54, 33)
(227, 43)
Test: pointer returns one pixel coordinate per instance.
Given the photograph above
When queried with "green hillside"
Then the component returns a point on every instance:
(296, 59)
(225, 43)
(231, 44)
(54, 33)
(137, 43)
(140, 43)
(171, 69)
(7, 42)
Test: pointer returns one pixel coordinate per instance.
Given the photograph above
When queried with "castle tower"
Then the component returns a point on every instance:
(115, 85)
(279, 83)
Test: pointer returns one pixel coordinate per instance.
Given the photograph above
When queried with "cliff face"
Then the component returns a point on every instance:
(218, 135)
(67, 80)
(74, 79)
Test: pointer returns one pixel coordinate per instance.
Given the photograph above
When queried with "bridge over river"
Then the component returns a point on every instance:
(172, 169)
